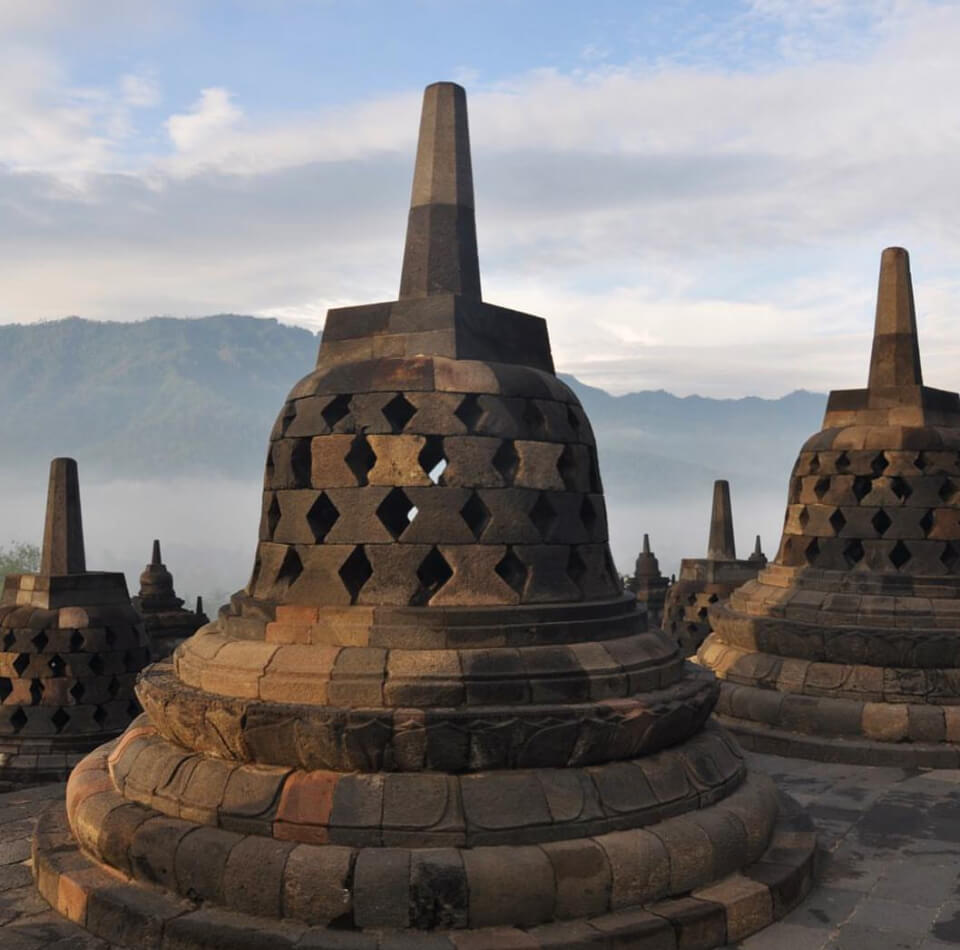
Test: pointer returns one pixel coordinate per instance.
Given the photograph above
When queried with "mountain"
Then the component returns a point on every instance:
(169, 396)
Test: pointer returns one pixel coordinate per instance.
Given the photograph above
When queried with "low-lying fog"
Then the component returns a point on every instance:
(208, 526)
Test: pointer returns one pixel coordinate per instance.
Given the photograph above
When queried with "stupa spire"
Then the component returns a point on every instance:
(646, 544)
(156, 559)
(63, 529)
(895, 359)
(721, 546)
(440, 255)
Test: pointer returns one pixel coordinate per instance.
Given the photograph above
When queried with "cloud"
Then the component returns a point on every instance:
(704, 228)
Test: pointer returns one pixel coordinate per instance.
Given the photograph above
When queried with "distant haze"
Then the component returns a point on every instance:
(169, 420)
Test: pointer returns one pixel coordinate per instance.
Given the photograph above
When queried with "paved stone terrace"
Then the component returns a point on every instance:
(889, 880)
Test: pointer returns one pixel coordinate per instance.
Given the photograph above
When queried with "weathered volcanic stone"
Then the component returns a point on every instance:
(433, 711)
(71, 645)
(710, 580)
(166, 622)
(847, 646)
(649, 584)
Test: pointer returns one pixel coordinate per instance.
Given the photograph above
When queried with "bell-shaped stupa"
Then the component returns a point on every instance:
(706, 581)
(846, 647)
(433, 719)
(71, 646)
(166, 622)
(649, 585)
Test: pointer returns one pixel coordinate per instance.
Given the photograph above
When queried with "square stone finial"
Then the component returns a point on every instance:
(721, 546)
(63, 530)
(895, 359)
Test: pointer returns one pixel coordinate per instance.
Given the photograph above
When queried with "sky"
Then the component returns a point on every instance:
(694, 194)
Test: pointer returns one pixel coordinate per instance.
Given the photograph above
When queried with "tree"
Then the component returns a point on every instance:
(19, 557)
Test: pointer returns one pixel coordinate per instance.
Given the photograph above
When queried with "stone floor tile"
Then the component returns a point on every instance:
(826, 907)
(784, 936)
(862, 937)
(893, 916)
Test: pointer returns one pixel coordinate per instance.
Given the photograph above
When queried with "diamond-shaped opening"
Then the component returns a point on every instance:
(796, 486)
(76, 641)
(878, 464)
(360, 458)
(926, 522)
(573, 420)
(512, 570)
(270, 467)
(899, 555)
(588, 515)
(21, 663)
(433, 573)
(901, 488)
(803, 517)
(543, 515)
(691, 599)
(40, 641)
(99, 715)
(920, 461)
(6, 688)
(18, 720)
(336, 410)
(950, 556)
(837, 521)
(712, 599)
(476, 514)
(822, 487)
(291, 567)
(396, 511)
(702, 613)
(355, 572)
(321, 517)
(815, 464)
(398, 412)
(301, 460)
(61, 717)
(77, 691)
(432, 459)
(36, 691)
(692, 628)
(506, 461)
(862, 486)
(812, 551)
(96, 664)
(853, 553)
(947, 490)
(881, 521)
(289, 414)
(8, 640)
(469, 412)
(843, 462)
(533, 418)
(576, 569)
(113, 687)
(273, 516)
(567, 467)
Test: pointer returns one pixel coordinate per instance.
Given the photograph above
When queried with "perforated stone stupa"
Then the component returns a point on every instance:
(71, 645)
(706, 581)
(433, 718)
(846, 646)
(649, 585)
(166, 622)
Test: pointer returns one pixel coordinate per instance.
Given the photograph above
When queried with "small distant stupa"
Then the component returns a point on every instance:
(846, 647)
(706, 581)
(649, 584)
(167, 623)
(71, 645)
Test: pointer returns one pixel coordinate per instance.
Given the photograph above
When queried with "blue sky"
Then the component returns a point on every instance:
(695, 194)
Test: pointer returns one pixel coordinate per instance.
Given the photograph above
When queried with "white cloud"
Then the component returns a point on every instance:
(705, 229)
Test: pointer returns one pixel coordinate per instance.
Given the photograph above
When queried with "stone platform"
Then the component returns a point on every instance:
(889, 874)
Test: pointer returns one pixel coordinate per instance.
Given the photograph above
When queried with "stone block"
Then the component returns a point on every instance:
(583, 878)
(517, 883)
(316, 883)
(381, 888)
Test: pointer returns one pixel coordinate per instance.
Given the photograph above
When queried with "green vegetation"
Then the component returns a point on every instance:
(19, 557)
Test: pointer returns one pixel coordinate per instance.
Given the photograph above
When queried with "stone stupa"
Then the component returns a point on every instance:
(433, 719)
(649, 585)
(166, 622)
(706, 581)
(847, 647)
(71, 645)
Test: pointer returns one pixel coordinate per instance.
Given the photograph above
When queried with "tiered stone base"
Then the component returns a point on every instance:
(271, 893)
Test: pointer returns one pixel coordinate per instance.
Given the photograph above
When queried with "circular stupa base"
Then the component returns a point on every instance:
(836, 729)
(116, 908)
